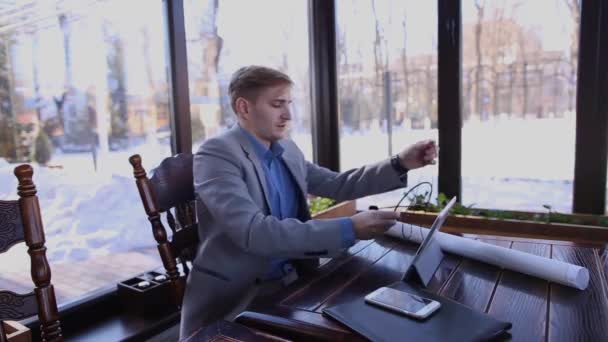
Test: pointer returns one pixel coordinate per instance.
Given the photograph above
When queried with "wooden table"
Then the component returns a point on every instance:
(230, 332)
(539, 310)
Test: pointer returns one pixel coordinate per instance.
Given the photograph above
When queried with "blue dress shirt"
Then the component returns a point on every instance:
(284, 198)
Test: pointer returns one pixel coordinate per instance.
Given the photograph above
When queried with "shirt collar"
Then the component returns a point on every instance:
(262, 152)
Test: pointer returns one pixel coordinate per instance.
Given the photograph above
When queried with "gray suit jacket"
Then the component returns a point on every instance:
(238, 235)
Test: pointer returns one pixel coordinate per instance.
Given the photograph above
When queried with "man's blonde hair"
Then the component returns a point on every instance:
(248, 81)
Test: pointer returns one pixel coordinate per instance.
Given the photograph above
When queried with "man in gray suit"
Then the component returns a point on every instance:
(251, 184)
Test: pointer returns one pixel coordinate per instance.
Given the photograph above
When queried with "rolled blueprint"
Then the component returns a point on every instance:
(530, 264)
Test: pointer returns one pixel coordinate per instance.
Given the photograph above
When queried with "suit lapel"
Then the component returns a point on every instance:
(296, 173)
(250, 154)
(292, 165)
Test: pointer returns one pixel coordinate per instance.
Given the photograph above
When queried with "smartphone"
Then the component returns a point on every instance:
(403, 302)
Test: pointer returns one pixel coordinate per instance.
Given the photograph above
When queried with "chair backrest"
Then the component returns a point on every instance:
(170, 187)
(21, 221)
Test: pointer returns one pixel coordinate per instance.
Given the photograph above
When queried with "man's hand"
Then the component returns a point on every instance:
(419, 154)
(370, 224)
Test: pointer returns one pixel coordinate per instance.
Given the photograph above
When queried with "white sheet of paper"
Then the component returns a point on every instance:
(530, 264)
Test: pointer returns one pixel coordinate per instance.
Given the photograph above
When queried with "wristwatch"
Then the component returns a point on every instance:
(401, 171)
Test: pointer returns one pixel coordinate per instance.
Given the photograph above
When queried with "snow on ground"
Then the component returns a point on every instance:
(511, 165)
(506, 164)
(86, 213)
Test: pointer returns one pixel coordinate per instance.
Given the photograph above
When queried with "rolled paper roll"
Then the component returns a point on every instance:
(549, 269)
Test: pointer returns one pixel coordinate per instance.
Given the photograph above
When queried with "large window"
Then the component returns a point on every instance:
(82, 87)
(519, 90)
(221, 39)
(387, 83)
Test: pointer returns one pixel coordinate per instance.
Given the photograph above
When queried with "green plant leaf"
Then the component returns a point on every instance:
(318, 204)
(442, 199)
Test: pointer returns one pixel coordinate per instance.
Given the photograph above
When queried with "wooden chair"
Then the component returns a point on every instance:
(171, 186)
(20, 221)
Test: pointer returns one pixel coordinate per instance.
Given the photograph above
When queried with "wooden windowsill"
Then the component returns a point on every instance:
(101, 316)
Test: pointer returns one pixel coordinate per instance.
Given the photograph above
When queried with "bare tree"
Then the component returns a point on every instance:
(575, 15)
(35, 71)
(380, 58)
(354, 104)
(345, 84)
(155, 92)
(214, 52)
(468, 91)
(64, 25)
(480, 6)
(499, 37)
(285, 35)
(117, 83)
(207, 79)
(430, 88)
(512, 76)
(524, 71)
(377, 46)
(8, 141)
(555, 90)
(145, 34)
(540, 72)
(404, 61)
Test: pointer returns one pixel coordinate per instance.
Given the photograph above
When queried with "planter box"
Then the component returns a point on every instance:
(516, 228)
(343, 209)
(16, 332)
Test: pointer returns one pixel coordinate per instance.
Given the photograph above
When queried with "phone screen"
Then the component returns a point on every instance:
(400, 299)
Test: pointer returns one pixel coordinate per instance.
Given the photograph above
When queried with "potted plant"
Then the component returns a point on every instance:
(550, 225)
(324, 208)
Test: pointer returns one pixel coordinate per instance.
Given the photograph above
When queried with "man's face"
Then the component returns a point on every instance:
(269, 115)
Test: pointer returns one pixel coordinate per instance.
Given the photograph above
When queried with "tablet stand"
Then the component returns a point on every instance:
(422, 270)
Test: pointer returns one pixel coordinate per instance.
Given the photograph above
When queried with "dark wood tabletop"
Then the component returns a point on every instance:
(539, 310)
(222, 330)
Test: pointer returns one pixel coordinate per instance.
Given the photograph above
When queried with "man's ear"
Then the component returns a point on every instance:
(242, 107)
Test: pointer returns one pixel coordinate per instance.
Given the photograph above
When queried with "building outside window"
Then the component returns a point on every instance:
(519, 77)
(387, 85)
(220, 40)
(82, 87)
